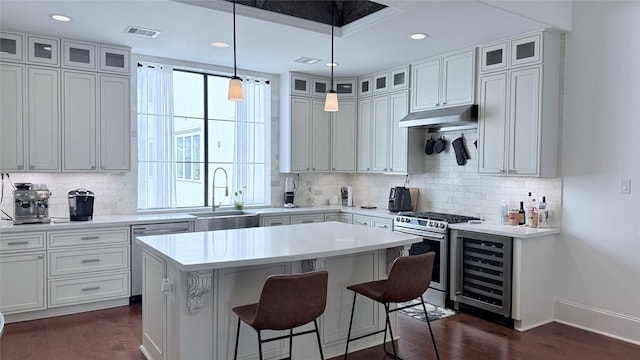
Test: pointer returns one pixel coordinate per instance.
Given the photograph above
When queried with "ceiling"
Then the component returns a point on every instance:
(270, 42)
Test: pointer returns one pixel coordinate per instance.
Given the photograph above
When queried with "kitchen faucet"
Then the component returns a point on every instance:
(213, 188)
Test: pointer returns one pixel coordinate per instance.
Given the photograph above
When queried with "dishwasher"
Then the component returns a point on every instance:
(136, 249)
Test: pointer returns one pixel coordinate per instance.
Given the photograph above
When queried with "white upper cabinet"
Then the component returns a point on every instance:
(115, 127)
(399, 78)
(380, 82)
(443, 81)
(11, 46)
(320, 137)
(365, 132)
(346, 88)
(43, 50)
(299, 137)
(114, 59)
(526, 50)
(519, 112)
(343, 137)
(519, 51)
(320, 86)
(79, 55)
(380, 131)
(79, 121)
(300, 85)
(12, 102)
(494, 56)
(364, 86)
(43, 122)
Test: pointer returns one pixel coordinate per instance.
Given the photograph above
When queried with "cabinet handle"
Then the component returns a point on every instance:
(32, 167)
(334, 169)
(39, 256)
(390, 169)
(19, 167)
(93, 167)
(18, 243)
(501, 171)
(307, 221)
(383, 226)
(444, 103)
(367, 169)
(314, 169)
(276, 223)
(90, 238)
(437, 104)
(307, 169)
(91, 288)
(90, 261)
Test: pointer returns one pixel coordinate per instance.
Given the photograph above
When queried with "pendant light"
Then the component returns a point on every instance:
(331, 102)
(235, 84)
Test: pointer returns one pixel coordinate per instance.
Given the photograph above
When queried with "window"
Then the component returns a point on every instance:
(187, 129)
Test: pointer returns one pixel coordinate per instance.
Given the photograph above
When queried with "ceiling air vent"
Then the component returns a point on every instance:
(142, 32)
(306, 60)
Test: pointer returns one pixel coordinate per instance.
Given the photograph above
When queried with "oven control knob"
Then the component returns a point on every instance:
(442, 226)
(430, 223)
(407, 220)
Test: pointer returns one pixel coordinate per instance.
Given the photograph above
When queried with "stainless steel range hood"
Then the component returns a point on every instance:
(452, 118)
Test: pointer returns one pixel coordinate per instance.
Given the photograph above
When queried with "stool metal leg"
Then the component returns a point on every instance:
(433, 339)
(388, 324)
(290, 344)
(259, 344)
(315, 323)
(235, 353)
(346, 350)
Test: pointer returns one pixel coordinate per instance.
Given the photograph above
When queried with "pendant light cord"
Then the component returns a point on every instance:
(333, 64)
(234, 40)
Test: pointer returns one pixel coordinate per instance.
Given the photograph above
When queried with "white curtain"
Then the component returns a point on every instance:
(252, 152)
(156, 148)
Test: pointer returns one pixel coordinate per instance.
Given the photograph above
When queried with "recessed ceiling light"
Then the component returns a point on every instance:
(219, 44)
(307, 60)
(418, 36)
(59, 17)
(331, 64)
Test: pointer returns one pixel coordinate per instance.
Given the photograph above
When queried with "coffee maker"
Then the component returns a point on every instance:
(290, 187)
(31, 204)
(80, 205)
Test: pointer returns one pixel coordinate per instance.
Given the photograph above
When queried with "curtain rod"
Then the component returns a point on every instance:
(199, 72)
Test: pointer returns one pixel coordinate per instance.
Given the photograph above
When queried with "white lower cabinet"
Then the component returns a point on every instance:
(22, 282)
(339, 217)
(306, 219)
(274, 220)
(377, 222)
(153, 318)
(88, 289)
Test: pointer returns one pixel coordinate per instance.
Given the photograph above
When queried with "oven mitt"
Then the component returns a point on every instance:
(440, 145)
(461, 151)
(428, 149)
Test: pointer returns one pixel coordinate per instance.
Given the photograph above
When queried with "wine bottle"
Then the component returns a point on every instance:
(521, 213)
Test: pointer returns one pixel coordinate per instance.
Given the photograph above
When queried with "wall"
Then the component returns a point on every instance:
(598, 257)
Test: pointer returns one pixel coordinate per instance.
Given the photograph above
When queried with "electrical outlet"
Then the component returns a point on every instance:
(625, 186)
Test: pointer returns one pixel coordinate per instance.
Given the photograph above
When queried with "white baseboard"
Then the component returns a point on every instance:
(618, 326)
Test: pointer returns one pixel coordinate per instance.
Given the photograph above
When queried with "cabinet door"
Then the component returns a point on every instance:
(300, 134)
(12, 117)
(399, 79)
(78, 55)
(43, 119)
(526, 50)
(22, 282)
(381, 141)
(343, 140)
(380, 83)
(492, 128)
(458, 79)
(399, 104)
(43, 50)
(114, 60)
(154, 302)
(362, 220)
(11, 46)
(364, 86)
(425, 85)
(115, 131)
(79, 121)
(365, 131)
(320, 86)
(320, 137)
(306, 219)
(494, 57)
(300, 85)
(524, 122)
(346, 88)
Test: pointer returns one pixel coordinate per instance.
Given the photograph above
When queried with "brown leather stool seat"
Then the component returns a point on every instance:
(408, 279)
(286, 302)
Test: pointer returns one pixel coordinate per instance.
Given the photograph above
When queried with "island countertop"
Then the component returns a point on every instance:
(264, 245)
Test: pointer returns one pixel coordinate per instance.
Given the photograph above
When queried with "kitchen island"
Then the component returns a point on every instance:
(192, 280)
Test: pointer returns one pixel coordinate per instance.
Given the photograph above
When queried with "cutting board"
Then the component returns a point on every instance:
(414, 198)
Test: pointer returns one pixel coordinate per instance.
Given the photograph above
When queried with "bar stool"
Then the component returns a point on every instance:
(286, 302)
(408, 279)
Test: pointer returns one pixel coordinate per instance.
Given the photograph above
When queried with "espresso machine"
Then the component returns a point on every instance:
(31, 204)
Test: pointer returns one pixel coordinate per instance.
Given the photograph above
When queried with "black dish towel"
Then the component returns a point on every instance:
(428, 148)
(461, 151)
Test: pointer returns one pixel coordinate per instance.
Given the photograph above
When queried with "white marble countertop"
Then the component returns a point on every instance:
(519, 232)
(111, 220)
(266, 245)
(322, 209)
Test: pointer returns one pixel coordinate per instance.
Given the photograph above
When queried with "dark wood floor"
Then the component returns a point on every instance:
(116, 334)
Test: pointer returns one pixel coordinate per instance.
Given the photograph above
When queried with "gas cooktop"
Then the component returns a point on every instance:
(448, 218)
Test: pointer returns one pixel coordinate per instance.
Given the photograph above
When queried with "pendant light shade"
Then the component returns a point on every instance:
(331, 102)
(235, 84)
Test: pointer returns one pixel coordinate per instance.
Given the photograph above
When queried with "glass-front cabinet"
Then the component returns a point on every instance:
(42, 50)
(399, 78)
(493, 57)
(381, 83)
(345, 87)
(11, 46)
(320, 86)
(115, 60)
(364, 86)
(525, 50)
(78, 55)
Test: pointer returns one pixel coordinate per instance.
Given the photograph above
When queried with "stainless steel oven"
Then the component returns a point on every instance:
(433, 228)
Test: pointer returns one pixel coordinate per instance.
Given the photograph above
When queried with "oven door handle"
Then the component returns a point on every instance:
(460, 264)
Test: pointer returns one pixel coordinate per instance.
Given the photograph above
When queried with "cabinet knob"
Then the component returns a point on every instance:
(314, 169)
(367, 169)
(307, 169)
(19, 167)
(334, 169)
(390, 169)
(39, 256)
(501, 171)
(437, 104)
(93, 167)
(32, 167)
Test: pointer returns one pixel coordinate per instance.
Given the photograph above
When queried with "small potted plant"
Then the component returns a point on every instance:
(238, 202)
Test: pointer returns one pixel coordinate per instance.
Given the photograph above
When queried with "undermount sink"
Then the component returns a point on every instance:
(225, 220)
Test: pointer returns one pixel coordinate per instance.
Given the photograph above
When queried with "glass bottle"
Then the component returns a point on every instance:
(521, 214)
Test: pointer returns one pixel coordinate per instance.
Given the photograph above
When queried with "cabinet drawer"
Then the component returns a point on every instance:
(361, 220)
(306, 219)
(382, 224)
(275, 220)
(88, 261)
(17, 242)
(88, 289)
(85, 238)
